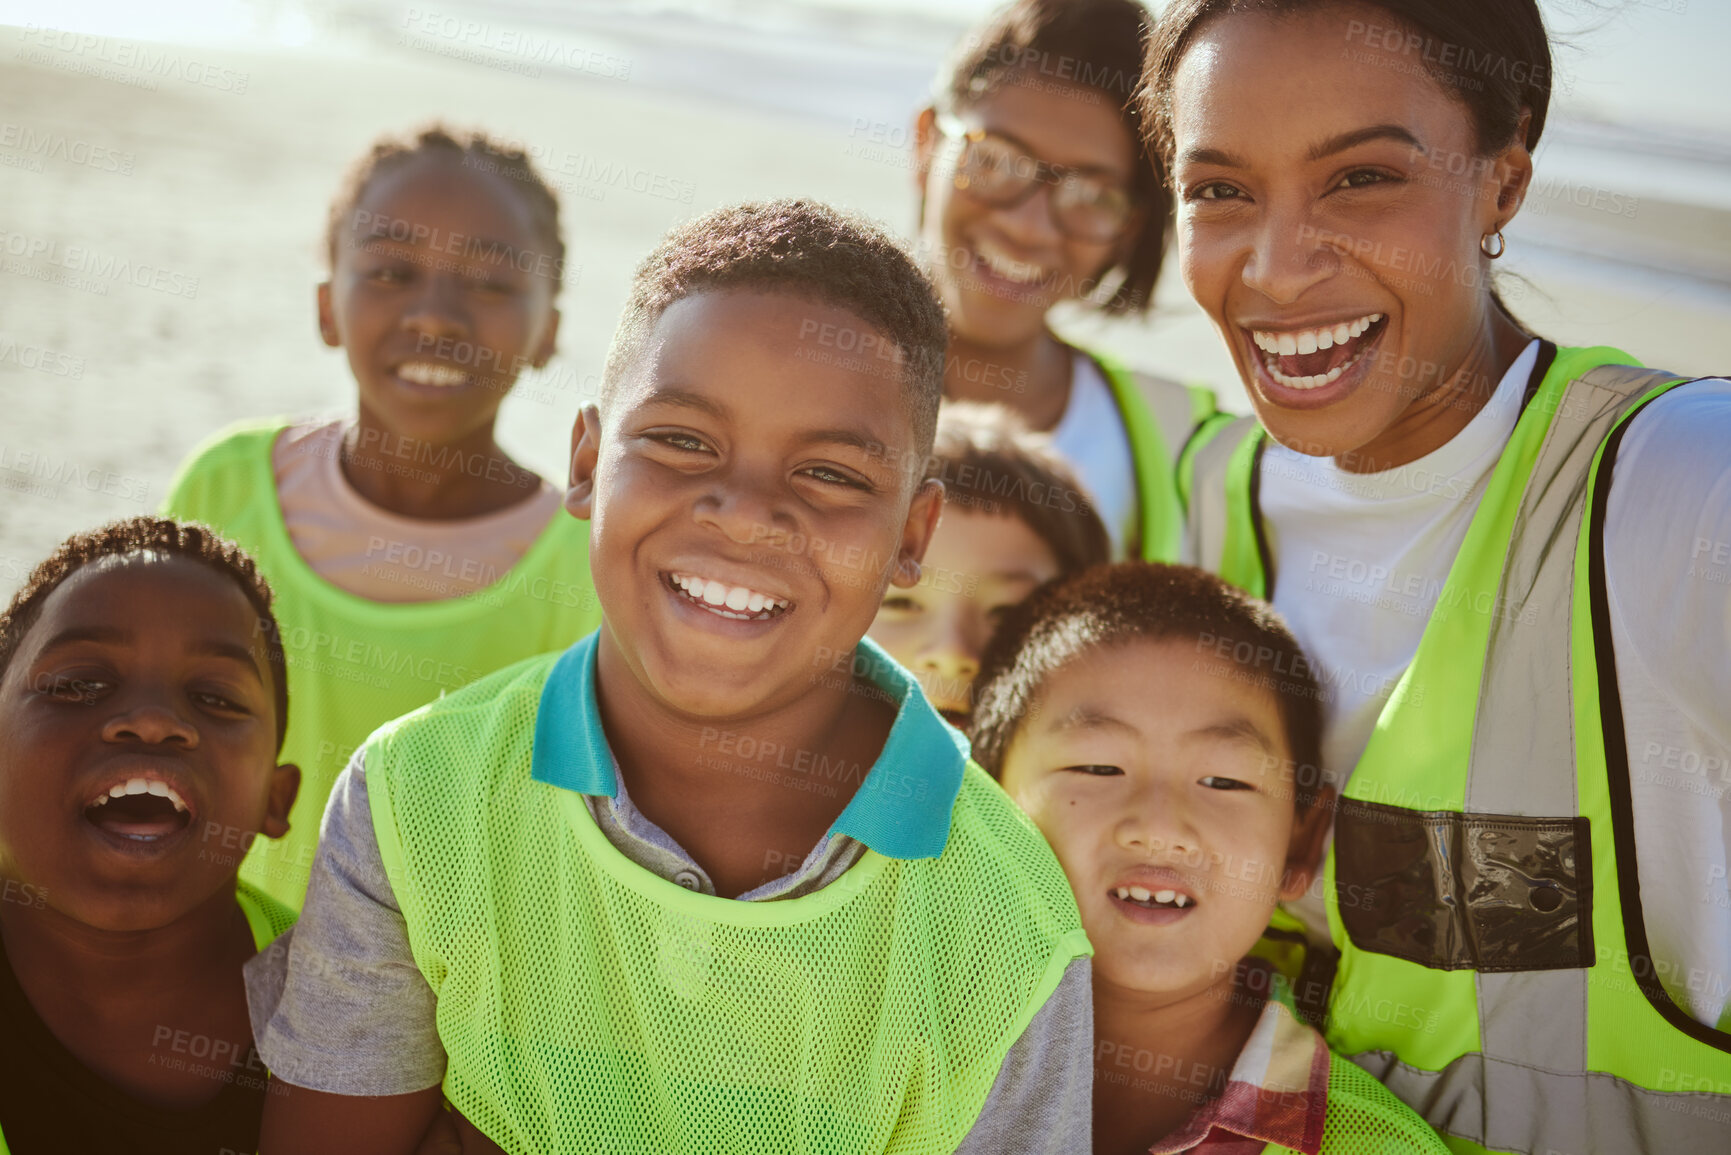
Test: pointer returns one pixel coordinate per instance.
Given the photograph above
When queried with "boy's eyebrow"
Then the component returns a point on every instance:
(233, 650)
(75, 634)
(213, 647)
(1084, 718)
(688, 399)
(1239, 729)
(691, 399)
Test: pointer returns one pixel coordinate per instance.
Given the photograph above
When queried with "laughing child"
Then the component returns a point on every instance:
(410, 554)
(1180, 826)
(717, 877)
(142, 709)
(1014, 517)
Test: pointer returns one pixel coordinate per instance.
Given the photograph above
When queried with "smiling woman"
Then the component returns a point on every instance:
(1426, 493)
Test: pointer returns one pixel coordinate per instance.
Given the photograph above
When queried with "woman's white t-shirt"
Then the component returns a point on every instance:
(1360, 561)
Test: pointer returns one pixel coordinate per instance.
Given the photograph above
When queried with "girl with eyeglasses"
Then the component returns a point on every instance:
(1036, 189)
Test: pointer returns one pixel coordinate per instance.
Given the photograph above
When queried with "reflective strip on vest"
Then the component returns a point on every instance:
(1159, 417)
(1483, 859)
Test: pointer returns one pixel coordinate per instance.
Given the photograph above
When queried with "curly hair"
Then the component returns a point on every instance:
(1095, 44)
(990, 463)
(806, 249)
(151, 536)
(1132, 601)
(475, 149)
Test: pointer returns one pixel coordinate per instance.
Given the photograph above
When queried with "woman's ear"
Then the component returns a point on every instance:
(1513, 173)
(585, 453)
(926, 141)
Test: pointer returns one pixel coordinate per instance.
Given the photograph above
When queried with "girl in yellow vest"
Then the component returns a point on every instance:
(410, 553)
(1035, 189)
(1526, 666)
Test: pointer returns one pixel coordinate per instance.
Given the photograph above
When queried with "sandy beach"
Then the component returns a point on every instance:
(161, 224)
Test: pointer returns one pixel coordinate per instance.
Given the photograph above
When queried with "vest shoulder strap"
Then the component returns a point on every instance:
(1211, 508)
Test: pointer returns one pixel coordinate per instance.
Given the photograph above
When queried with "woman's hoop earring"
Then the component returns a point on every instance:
(1485, 245)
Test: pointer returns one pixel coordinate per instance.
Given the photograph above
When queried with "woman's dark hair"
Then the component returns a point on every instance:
(1095, 44)
(1494, 56)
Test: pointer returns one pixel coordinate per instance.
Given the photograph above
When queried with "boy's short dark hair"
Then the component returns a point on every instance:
(804, 249)
(990, 463)
(1145, 601)
(475, 149)
(1095, 44)
(158, 535)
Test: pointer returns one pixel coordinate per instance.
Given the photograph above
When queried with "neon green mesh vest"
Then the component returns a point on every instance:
(355, 664)
(588, 1005)
(1495, 970)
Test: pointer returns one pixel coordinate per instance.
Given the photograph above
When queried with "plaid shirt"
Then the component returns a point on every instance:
(1277, 1092)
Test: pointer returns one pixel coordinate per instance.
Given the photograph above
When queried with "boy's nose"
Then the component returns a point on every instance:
(1156, 822)
(152, 724)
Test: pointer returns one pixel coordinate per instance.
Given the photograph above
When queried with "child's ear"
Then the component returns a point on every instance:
(549, 343)
(923, 514)
(328, 318)
(285, 787)
(585, 452)
(926, 140)
(925, 145)
(1309, 836)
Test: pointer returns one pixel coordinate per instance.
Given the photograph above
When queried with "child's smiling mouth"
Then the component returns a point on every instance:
(142, 808)
(736, 603)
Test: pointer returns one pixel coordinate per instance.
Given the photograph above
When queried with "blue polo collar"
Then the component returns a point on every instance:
(901, 810)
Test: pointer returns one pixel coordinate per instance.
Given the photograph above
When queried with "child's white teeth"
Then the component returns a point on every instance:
(1184, 900)
(738, 599)
(1165, 895)
(426, 373)
(1139, 894)
(142, 786)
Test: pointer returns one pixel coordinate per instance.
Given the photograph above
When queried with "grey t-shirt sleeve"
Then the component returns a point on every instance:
(1042, 1102)
(337, 1003)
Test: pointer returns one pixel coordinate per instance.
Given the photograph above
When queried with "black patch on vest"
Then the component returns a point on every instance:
(1453, 891)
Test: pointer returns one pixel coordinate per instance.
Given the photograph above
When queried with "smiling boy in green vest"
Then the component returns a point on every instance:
(590, 900)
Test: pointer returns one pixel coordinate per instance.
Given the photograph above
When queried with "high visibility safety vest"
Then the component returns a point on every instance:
(265, 917)
(1495, 971)
(354, 664)
(1162, 419)
(588, 1005)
